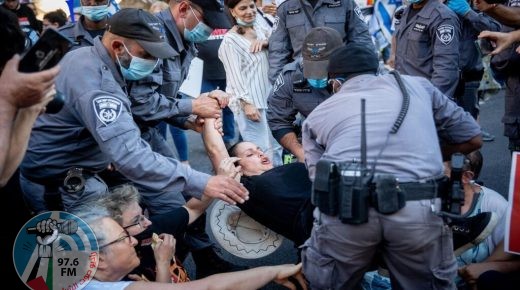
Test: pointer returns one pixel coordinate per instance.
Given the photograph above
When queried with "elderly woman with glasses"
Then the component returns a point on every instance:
(117, 258)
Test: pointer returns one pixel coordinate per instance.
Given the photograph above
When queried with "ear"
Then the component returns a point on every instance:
(184, 9)
(102, 262)
(117, 46)
(467, 176)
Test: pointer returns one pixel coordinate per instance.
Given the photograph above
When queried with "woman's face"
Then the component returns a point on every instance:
(252, 159)
(245, 10)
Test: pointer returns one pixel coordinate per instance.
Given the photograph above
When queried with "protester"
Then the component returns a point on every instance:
(502, 40)
(244, 54)
(117, 257)
(415, 243)
(54, 19)
(23, 96)
(505, 67)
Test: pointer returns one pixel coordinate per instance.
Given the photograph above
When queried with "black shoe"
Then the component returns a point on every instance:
(208, 262)
(469, 232)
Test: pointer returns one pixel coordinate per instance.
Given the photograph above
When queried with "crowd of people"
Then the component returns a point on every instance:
(301, 78)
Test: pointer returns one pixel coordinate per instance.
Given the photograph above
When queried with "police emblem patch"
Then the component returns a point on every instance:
(107, 109)
(275, 23)
(445, 33)
(359, 13)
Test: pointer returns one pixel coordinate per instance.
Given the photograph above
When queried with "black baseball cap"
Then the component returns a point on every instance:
(317, 47)
(142, 27)
(353, 58)
(214, 15)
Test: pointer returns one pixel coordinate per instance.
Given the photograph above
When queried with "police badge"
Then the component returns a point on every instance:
(107, 109)
(445, 33)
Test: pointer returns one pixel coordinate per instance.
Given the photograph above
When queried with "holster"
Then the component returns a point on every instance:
(354, 194)
(387, 198)
(325, 187)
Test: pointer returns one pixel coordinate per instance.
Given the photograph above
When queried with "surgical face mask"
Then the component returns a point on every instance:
(241, 22)
(95, 13)
(414, 1)
(199, 33)
(138, 68)
(317, 83)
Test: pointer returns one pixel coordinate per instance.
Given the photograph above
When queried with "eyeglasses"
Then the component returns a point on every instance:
(127, 235)
(140, 222)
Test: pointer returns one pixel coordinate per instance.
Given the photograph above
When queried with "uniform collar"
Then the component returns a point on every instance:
(80, 32)
(169, 23)
(108, 61)
(426, 10)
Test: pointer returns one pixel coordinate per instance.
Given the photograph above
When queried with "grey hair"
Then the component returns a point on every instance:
(93, 215)
(119, 199)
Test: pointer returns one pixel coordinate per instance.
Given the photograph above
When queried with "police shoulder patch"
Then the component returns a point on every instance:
(359, 13)
(445, 33)
(107, 109)
(275, 23)
(278, 83)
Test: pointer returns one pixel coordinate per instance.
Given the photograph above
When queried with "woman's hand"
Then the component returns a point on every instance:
(227, 167)
(258, 45)
(251, 112)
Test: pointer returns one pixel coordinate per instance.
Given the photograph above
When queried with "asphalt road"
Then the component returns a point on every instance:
(495, 174)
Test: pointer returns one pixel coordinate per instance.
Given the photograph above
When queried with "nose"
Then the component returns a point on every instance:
(133, 241)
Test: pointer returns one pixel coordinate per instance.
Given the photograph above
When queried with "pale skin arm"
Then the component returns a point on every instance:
(251, 279)
(197, 207)
(20, 134)
(509, 16)
(501, 40)
(19, 90)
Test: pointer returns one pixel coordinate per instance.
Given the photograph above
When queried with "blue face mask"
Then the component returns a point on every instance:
(199, 33)
(95, 13)
(241, 22)
(319, 84)
(415, 1)
(138, 68)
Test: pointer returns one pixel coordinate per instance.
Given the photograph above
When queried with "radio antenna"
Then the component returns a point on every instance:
(363, 136)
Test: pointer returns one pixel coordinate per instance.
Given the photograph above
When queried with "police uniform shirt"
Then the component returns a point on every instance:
(291, 95)
(154, 98)
(332, 131)
(77, 33)
(95, 128)
(427, 45)
(291, 26)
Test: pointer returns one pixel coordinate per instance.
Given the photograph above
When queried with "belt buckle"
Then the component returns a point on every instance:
(74, 181)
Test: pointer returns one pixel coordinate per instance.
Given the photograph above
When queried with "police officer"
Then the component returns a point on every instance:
(296, 17)
(427, 44)
(92, 23)
(301, 87)
(96, 128)
(402, 143)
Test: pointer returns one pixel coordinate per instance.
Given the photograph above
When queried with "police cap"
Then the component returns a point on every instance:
(142, 27)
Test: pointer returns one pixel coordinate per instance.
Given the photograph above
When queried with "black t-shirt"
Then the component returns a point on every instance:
(208, 52)
(280, 200)
(174, 223)
(26, 17)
